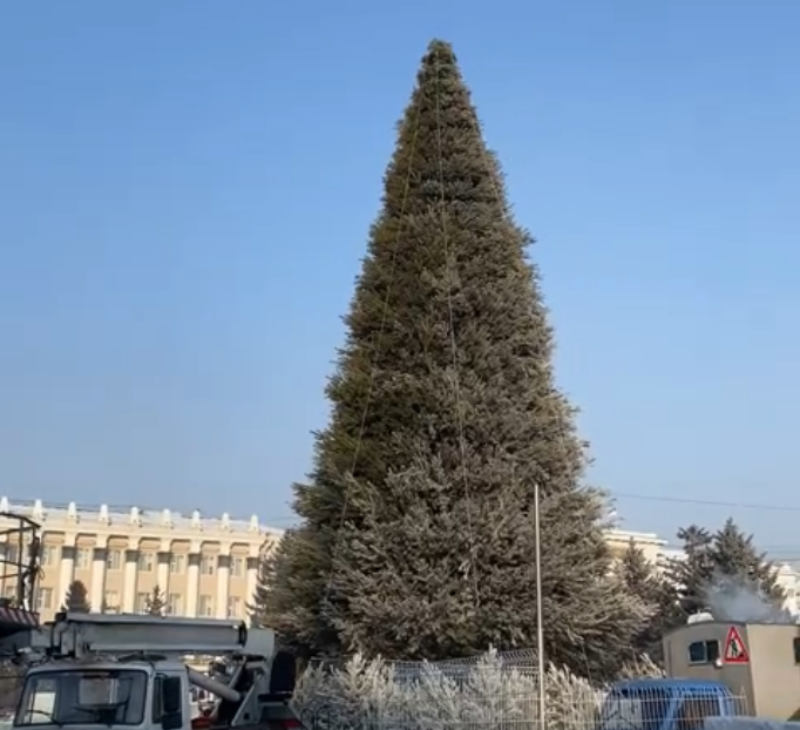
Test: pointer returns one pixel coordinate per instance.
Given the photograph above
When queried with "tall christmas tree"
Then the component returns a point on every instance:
(417, 535)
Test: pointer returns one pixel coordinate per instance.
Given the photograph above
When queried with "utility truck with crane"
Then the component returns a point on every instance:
(92, 671)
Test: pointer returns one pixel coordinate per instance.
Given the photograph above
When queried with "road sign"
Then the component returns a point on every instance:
(735, 650)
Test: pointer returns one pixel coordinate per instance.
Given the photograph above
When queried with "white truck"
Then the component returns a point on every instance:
(97, 671)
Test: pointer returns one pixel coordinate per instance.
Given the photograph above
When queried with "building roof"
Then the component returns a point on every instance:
(650, 538)
(105, 515)
(667, 683)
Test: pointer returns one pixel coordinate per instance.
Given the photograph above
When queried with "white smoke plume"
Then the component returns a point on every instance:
(741, 600)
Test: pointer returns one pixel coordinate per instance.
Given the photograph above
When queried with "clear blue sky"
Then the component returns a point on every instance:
(185, 193)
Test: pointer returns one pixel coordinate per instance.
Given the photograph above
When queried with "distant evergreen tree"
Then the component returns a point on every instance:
(77, 598)
(691, 574)
(739, 565)
(642, 579)
(258, 607)
(417, 534)
(156, 605)
(636, 572)
(723, 563)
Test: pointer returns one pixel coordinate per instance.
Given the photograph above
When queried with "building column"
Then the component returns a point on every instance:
(162, 575)
(223, 579)
(99, 557)
(66, 570)
(253, 562)
(5, 568)
(129, 576)
(193, 579)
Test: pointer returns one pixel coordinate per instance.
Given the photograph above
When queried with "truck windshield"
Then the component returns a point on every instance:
(83, 697)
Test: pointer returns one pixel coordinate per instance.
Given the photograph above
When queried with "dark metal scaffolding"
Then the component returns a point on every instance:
(21, 560)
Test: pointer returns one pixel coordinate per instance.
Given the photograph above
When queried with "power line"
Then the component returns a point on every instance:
(705, 502)
(784, 552)
(293, 520)
(648, 498)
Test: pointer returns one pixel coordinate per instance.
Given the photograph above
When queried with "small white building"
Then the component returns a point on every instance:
(788, 578)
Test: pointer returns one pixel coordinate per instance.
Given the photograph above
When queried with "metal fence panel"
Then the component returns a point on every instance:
(494, 691)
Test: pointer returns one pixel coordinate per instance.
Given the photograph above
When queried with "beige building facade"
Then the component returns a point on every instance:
(652, 546)
(203, 567)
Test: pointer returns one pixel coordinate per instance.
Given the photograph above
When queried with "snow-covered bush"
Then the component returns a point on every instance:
(643, 666)
(489, 692)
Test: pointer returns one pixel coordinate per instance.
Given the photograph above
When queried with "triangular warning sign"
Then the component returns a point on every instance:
(735, 650)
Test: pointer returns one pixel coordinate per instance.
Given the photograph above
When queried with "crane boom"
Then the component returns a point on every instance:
(79, 634)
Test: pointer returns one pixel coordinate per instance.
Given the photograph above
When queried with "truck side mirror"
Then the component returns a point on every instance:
(172, 703)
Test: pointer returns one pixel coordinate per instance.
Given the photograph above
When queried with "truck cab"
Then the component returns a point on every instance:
(134, 694)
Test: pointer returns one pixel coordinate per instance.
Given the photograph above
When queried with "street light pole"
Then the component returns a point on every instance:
(539, 621)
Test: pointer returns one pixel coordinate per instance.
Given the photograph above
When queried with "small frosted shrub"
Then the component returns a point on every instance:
(490, 692)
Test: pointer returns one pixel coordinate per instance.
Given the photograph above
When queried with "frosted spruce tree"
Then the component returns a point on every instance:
(417, 533)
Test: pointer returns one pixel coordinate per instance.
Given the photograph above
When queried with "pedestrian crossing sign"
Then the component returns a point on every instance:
(735, 650)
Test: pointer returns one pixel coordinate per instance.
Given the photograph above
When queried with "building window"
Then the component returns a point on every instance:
(703, 652)
(145, 562)
(114, 559)
(206, 606)
(207, 564)
(796, 645)
(44, 600)
(237, 567)
(234, 607)
(174, 604)
(48, 555)
(177, 563)
(12, 553)
(9, 590)
(140, 603)
(83, 557)
(111, 602)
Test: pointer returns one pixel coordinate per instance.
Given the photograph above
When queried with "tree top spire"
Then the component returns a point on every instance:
(442, 49)
(439, 55)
